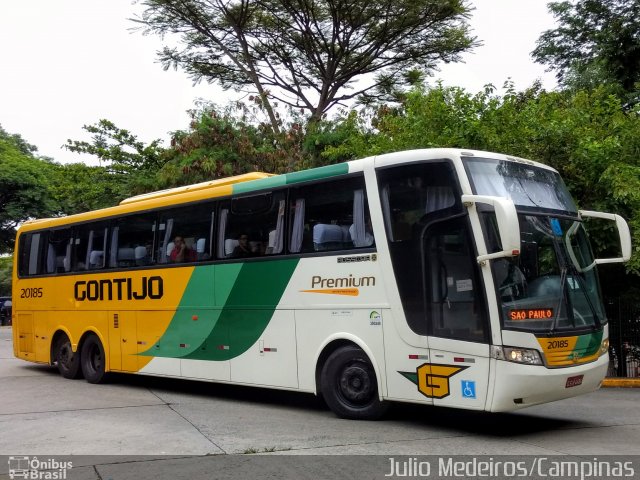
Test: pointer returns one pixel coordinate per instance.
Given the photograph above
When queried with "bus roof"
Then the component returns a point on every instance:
(255, 182)
(236, 185)
(197, 186)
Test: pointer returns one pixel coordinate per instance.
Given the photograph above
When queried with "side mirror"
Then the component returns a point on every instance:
(623, 233)
(508, 226)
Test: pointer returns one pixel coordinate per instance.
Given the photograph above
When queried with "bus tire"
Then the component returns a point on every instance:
(66, 360)
(349, 385)
(92, 360)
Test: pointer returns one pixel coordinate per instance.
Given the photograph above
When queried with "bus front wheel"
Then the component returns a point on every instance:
(349, 385)
(92, 360)
(66, 360)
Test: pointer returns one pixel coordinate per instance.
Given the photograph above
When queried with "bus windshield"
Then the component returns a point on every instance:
(552, 285)
(527, 185)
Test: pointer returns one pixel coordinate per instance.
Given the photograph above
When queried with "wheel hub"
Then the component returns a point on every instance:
(355, 384)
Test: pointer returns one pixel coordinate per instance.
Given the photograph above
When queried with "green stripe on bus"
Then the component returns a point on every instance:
(318, 173)
(588, 344)
(248, 310)
(263, 183)
(206, 289)
(291, 178)
(246, 296)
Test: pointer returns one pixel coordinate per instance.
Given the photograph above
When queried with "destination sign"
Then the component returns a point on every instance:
(531, 314)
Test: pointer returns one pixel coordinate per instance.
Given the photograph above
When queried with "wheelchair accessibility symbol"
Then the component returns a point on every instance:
(468, 389)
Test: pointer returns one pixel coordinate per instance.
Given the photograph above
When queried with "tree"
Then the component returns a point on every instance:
(76, 188)
(122, 155)
(18, 142)
(597, 41)
(225, 142)
(25, 188)
(309, 54)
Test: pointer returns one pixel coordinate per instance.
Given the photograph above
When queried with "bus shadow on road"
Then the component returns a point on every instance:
(461, 421)
(223, 392)
(509, 424)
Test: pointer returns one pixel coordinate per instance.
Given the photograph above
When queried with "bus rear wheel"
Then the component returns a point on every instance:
(92, 360)
(66, 360)
(349, 385)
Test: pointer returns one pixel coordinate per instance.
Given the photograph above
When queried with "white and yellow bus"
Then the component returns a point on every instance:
(446, 277)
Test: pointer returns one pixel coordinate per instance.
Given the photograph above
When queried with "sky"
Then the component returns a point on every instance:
(69, 63)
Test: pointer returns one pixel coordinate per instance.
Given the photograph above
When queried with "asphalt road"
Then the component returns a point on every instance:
(43, 414)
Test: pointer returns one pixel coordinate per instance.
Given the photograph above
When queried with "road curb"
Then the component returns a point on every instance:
(621, 382)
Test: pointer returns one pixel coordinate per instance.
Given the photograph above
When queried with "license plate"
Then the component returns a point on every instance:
(574, 381)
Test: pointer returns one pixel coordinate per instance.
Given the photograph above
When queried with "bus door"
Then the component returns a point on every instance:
(456, 315)
(123, 341)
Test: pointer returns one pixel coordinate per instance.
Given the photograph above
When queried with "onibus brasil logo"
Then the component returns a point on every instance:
(37, 469)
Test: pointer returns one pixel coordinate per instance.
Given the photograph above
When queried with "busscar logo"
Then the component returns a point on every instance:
(38, 469)
(359, 258)
(349, 286)
(432, 379)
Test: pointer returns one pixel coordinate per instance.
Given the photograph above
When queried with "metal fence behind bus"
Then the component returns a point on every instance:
(624, 337)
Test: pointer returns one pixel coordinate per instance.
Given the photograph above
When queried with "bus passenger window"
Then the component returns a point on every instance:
(252, 226)
(331, 215)
(90, 243)
(186, 234)
(128, 236)
(59, 251)
(30, 254)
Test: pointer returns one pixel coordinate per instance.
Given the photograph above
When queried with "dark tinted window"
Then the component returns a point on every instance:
(31, 254)
(412, 197)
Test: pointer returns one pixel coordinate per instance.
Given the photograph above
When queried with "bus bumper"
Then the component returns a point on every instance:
(519, 386)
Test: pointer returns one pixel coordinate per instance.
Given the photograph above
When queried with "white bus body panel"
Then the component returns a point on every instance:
(538, 384)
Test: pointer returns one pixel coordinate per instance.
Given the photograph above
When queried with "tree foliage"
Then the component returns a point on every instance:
(597, 41)
(309, 54)
(131, 162)
(25, 187)
(224, 142)
(76, 188)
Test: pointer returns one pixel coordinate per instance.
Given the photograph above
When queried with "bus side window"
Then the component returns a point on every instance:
(412, 197)
(90, 243)
(193, 225)
(31, 249)
(252, 226)
(128, 236)
(59, 251)
(330, 215)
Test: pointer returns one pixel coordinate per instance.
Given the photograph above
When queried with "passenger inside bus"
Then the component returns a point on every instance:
(243, 249)
(181, 252)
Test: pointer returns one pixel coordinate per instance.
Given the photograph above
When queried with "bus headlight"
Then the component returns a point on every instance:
(604, 347)
(528, 356)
